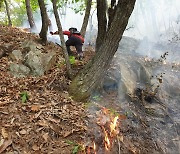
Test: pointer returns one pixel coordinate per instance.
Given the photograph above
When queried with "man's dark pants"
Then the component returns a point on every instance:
(74, 41)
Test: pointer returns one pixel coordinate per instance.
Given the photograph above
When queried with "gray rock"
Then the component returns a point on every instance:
(35, 62)
(16, 55)
(19, 70)
(31, 45)
(128, 45)
(40, 63)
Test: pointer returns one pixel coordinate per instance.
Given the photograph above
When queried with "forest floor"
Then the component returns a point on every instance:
(50, 121)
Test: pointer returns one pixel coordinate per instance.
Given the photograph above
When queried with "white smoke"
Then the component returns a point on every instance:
(152, 21)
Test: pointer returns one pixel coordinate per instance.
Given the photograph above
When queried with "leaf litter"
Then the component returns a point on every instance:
(48, 116)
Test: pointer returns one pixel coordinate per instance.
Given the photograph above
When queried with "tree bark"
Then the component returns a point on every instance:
(44, 17)
(60, 31)
(86, 17)
(29, 14)
(102, 22)
(111, 12)
(88, 79)
(8, 13)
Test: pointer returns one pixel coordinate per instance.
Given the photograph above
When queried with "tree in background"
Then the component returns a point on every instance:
(29, 14)
(89, 78)
(86, 17)
(8, 13)
(44, 18)
(60, 31)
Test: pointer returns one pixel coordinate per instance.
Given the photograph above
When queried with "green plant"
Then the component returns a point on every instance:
(96, 98)
(72, 60)
(24, 96)
(76, 146)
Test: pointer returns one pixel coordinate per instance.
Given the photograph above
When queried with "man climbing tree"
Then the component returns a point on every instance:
(88, 79)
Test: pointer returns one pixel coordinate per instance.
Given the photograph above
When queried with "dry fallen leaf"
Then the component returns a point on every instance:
(4, 133)
(67, 133)
(35, 108)
(23, 132)
(43, 123)
(5, 145)
(45, 137)
(35, 147)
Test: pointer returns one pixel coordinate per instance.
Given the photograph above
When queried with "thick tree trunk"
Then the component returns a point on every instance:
(86, 17)
(44, 17)
(29, 14)
(60, 31)
(102, 22)
(8, 14)
(87, 80)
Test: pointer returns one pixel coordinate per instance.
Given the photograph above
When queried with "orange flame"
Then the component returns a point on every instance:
(88, 150)
(94, 146)
(107, 141)
(113, 124)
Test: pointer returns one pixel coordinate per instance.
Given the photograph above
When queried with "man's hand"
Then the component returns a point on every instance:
(52, 33)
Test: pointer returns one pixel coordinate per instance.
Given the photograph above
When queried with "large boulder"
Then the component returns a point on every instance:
(40, 62)
(32, 60)
(126, 74)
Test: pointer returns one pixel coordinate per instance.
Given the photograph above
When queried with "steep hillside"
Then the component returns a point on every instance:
(36, 113)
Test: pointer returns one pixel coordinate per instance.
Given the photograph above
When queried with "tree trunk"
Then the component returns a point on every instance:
(102, 22)
(44, 17)
(88, 79)
(29, 14)
(86, 17)
(111, 12)
(8, 14)
(60, 31)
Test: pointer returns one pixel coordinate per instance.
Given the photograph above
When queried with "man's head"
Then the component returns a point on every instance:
(72, 29)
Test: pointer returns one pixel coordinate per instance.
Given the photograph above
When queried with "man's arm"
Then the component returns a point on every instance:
(64, 32)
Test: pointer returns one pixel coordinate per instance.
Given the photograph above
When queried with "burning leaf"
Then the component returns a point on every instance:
(94, 147)
(4, 133)
(107, 141)
(113, 124)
